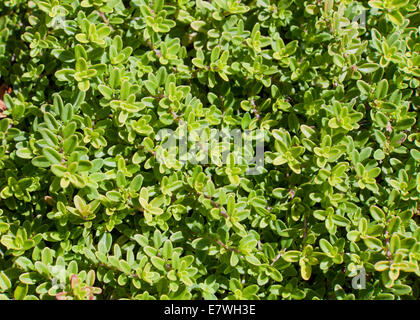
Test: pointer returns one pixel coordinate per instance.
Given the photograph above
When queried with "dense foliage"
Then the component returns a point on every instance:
(92, 206)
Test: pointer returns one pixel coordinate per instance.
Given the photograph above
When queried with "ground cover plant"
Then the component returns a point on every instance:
(95, 205)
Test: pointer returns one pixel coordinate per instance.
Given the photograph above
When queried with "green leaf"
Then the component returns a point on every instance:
(291, 256)
(51, 155)
(69, 129)
(65, 74)
(381, 89)
(396, 17)
(29, 278)
(20, 292)
(104, 244)
(368, 68)
(167, 249)
(59, 170)
(4, 227)
(305, 271)
(379, 154)
(105, 91)
(381, 119)
(377, 213)
(70, 144)
(326, 247)
(24, 153)
(5, 283)
(159, 263)
(49, 137)
(372, 243)
(415, 154)
(215, 53)
(84, 85)
(41, 162)
(401, 289)
(84, 165)
(364, 87)
(253, 260)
